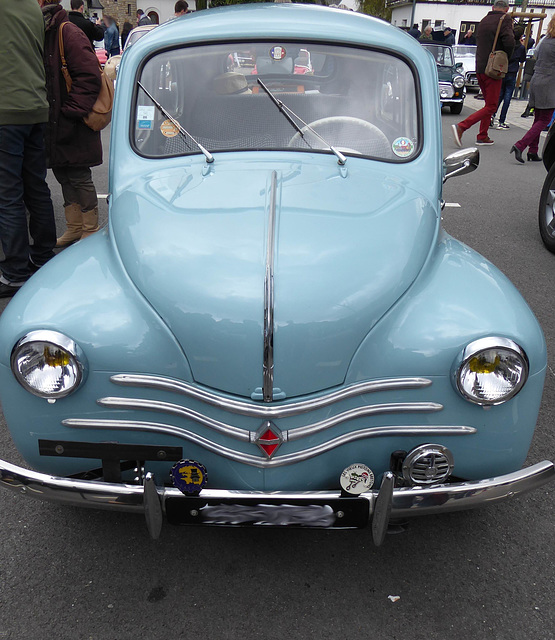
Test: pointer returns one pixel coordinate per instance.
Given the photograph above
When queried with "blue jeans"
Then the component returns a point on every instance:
(507, 88)
(23, 185)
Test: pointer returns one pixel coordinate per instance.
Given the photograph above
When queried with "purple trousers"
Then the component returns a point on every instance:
(542, 118)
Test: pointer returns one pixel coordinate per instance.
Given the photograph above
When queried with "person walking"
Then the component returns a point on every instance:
(508, 84)
(542, 96)
(72, 148)
(111, 37)
(23, 117)
(91, 30)
(489, 87)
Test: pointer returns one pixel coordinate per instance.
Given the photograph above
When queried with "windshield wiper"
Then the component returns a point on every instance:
(209, 157)
(287, 112)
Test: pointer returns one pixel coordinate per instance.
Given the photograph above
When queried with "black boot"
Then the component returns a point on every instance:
(533, 157)
(518, 154)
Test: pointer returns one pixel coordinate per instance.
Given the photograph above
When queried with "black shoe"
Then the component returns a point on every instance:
(518, 154)
(533, 157)
(8, 290)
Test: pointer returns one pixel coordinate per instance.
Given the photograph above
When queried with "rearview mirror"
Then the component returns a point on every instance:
(460, 162)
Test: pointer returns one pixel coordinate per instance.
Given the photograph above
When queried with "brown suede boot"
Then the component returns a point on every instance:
(74, 220)
(90, 222)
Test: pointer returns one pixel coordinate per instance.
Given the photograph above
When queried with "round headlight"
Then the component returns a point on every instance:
(48, 364)
(458, 82)
(491, 371)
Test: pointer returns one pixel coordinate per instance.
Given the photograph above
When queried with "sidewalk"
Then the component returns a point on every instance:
(513, 115)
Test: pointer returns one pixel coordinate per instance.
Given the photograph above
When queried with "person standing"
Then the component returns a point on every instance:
(72, 148)
(142, 19)
(469, 38)
(415, 31)
(489, 87)
(125, 31)
(92, 31)
(542, 96)
(23, 117)
(426, 35)
(508, 83)
(448, 37)
(111, 37)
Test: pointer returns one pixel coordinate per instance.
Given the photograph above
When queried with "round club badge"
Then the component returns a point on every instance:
(356, 479)
(168, 129)
(277, 53)
(403, 147)
(189, 476)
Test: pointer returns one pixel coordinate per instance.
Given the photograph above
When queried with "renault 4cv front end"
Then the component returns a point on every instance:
(273, 328)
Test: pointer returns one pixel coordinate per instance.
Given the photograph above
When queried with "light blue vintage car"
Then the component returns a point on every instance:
(274, 329)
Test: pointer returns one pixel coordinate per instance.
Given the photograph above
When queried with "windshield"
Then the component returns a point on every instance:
(360, 102)
(464, 50)
(443, 55)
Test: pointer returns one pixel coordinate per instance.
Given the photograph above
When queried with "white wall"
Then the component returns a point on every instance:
(451, 15)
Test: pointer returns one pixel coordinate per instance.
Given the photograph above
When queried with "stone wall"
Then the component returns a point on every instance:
(121, 10)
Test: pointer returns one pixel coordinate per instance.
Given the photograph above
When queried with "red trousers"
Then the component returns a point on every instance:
(490, 89)
(542, 117)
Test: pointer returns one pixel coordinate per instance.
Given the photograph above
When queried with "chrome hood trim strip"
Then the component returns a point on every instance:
(268, 362)
(250, 436)
(264, 411)
(278, 461)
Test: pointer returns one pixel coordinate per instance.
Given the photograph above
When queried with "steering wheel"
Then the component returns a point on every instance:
(370, 131)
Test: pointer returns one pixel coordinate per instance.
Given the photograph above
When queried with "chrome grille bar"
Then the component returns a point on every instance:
(262, 411)
(278, 461)
(291, 434)
(268, 362)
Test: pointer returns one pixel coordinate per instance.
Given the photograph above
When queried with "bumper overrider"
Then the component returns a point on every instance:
(332, 509)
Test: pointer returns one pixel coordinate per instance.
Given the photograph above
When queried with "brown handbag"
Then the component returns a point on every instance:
(498, 62)
(100, 115)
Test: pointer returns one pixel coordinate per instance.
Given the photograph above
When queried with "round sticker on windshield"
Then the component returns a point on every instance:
(168, 129)
(277, 53)
(403, 147)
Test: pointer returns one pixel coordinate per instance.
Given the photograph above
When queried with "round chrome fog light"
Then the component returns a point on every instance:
(428, 464)
(48, 364)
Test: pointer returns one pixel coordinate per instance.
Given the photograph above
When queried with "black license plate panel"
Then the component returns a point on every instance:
(339, 513)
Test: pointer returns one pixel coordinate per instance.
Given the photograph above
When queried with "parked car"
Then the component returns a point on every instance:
(273, 329)
(100, 52)
(112, 66)
(465, 54)
(451, 81)
(547, 198)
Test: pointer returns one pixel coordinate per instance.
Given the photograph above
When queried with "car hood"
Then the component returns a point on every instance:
(347, 246)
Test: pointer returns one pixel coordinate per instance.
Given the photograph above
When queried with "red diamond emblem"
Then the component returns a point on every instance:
(269, 438)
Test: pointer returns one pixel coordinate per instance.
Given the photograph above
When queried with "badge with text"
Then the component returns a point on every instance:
(277, 53)
(189, 476)
(168, 129)
(403, 147)
(356, 479)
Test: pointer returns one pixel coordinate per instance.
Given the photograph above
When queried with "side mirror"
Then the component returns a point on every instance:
(460, 162)
(459, 66)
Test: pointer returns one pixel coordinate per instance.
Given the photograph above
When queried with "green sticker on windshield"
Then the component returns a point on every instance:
(403, 147)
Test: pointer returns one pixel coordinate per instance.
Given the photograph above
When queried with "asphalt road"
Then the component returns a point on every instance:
(76, 574)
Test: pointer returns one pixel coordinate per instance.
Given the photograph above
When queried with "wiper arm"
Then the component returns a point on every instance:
(209, 157)
(287, 112)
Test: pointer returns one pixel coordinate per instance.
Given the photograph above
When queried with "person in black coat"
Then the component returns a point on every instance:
(92, 31)
(125, 31)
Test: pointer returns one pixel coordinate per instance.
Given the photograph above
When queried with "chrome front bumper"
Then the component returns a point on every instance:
(383, 505)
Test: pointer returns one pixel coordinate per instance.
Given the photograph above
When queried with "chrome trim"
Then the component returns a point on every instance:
(268, 362)
(261, 411)
(58, 340)
(279, 461)
(250, 436)
(424, 450)
(482, 344)
(176, 410)
(405, 502)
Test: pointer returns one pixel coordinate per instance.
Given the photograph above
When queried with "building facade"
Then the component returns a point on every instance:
(459, 15)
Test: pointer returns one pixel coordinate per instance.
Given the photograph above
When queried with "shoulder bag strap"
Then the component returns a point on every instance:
(65, 71)
(497, 32)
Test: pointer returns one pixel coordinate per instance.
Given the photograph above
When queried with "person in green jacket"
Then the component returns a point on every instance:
(23, 117)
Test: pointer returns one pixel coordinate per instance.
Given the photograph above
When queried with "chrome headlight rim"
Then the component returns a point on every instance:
(485, 344)
(56, 339)
(458, 82)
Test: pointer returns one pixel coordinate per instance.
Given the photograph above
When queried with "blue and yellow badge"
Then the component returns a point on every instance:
(189, 476)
